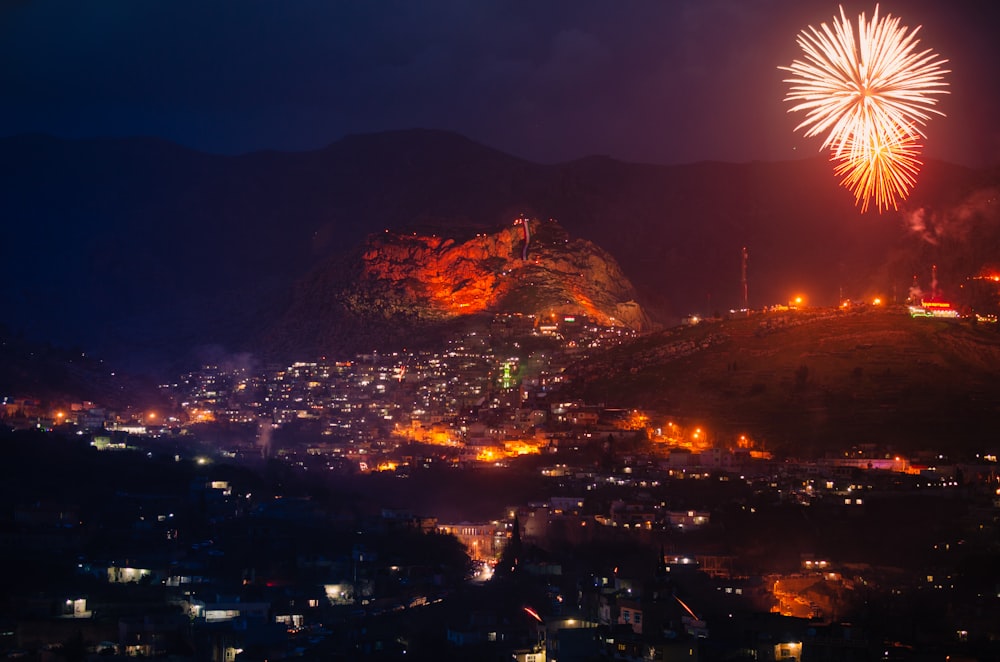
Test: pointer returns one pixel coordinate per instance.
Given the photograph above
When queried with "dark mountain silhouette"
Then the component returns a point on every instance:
(59, 377)
(154, 255)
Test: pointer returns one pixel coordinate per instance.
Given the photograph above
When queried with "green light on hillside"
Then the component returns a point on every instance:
(507, 379)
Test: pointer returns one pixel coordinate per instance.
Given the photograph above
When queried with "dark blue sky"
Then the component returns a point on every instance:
(661, 81)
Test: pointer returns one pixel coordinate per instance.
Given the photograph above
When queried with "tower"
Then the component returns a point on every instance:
(743, 280)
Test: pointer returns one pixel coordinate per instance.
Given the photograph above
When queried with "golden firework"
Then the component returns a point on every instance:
(870, 92)
(885, 168)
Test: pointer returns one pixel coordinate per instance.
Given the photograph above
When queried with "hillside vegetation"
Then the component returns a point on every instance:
(806, 381)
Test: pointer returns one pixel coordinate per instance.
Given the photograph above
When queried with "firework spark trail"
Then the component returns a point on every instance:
(885, 168)
(870, 93)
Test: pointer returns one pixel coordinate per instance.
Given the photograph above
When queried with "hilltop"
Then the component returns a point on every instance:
(409, 288)
(807, 381)
(58, 378)
(155, 256)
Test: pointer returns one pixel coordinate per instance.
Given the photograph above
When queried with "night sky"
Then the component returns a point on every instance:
(665, 81)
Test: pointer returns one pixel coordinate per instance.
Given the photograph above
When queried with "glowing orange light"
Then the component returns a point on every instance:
(686, 608)
(201, 415)
(886, 170)
(636, 420)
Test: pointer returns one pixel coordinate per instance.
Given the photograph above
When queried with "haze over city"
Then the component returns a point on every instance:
(554, 332)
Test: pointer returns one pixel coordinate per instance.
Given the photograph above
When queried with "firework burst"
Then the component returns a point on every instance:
(869, 93)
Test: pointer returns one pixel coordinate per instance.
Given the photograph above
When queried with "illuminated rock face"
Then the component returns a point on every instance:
(441, 278)
(400, 289)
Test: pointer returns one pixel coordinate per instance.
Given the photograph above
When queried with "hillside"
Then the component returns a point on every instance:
(803, 381)
(58, 377)
(408, 288)
(155, 256)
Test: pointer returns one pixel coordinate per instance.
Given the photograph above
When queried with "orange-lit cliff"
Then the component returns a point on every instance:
(399, 284)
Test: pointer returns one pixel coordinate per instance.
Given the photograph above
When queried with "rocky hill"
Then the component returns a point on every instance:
(402, 287)
(152, 255)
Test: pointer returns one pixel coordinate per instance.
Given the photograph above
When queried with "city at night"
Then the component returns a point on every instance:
(534, 332)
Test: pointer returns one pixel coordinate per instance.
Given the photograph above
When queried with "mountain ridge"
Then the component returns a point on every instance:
(150, 253)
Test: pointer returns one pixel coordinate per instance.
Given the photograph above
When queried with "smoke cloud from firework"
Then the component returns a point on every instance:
(225, 359)
(954, 223)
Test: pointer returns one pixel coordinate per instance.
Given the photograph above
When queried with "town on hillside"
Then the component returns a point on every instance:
(459, 505)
